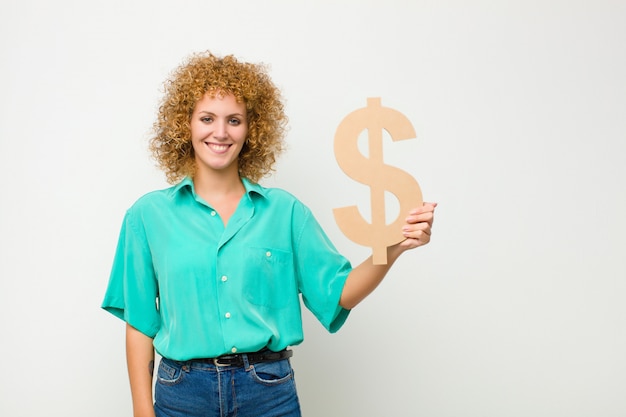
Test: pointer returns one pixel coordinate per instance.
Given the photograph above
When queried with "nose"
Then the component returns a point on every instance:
(220, 131)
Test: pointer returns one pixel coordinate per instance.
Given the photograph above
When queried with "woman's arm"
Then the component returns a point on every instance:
(140, 361)
(365, 278)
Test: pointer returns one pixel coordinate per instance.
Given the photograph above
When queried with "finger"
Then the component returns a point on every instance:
(416, 231)
(426, 207)
(415, 242)
(426, 217)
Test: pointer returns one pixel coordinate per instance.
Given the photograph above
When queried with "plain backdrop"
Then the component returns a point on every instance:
(515, 309)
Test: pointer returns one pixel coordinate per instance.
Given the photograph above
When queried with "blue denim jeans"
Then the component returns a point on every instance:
(192, 388)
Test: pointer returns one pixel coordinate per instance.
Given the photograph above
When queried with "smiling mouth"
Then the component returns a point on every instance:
(217, 147)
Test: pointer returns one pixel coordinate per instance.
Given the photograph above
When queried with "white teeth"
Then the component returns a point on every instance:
(217, 147)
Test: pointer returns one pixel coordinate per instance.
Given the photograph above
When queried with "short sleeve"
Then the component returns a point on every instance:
(322, 273)
(132, 291)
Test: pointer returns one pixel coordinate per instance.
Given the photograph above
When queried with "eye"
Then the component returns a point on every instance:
(206, 119)
(234, 121)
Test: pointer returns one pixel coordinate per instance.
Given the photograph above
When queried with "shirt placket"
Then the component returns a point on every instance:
(224, 273)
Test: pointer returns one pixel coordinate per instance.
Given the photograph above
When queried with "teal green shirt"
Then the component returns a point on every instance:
(203, 290)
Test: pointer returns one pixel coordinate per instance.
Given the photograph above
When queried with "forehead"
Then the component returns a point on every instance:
(220, 100)
(215, 92)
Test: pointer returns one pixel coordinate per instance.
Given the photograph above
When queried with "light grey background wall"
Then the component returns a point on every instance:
(515, 309)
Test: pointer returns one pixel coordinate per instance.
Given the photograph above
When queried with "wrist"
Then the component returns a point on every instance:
(394, 252)
(143, 410)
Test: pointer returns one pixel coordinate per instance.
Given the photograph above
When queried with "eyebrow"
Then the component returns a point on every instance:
(213, 114)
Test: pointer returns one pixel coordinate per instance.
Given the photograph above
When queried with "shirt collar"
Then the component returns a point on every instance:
(248, 185)
(252, 187)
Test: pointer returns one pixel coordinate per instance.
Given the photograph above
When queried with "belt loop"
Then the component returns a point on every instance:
(246, 363)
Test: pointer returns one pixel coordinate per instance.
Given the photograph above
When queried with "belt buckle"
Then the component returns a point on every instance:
(216, 362)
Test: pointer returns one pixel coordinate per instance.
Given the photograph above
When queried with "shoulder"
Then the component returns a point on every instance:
(279, 194)
(274, 197)
(156, 200)
(277, 203)
(156, 196)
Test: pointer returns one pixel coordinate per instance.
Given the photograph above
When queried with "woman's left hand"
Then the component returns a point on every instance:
(417, 229)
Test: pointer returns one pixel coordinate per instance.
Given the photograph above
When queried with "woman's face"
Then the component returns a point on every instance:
(218, 131)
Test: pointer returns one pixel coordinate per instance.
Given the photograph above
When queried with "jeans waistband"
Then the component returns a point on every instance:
(239, 359)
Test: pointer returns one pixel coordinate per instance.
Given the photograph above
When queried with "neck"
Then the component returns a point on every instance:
(216, 185)
(221, 191)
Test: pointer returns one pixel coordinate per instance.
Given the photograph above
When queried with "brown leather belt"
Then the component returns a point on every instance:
(256, 357)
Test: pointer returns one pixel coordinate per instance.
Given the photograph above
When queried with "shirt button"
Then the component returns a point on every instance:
(234, 349)
(213, 213)
(268, 254)
(224, 278)
(227, 315)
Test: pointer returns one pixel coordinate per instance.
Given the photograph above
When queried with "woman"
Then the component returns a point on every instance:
(208, 272)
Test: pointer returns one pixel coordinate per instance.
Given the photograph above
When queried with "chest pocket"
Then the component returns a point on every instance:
(271, 282)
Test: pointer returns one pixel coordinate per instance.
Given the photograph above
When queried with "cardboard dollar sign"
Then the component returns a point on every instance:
(372, 171)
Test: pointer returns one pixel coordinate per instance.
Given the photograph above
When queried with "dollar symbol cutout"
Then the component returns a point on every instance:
(374, 172)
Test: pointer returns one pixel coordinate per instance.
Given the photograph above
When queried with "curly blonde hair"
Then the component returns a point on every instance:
(204, 73)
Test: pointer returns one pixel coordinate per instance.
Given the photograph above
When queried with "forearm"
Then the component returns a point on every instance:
(365, 278)
(140, 362)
